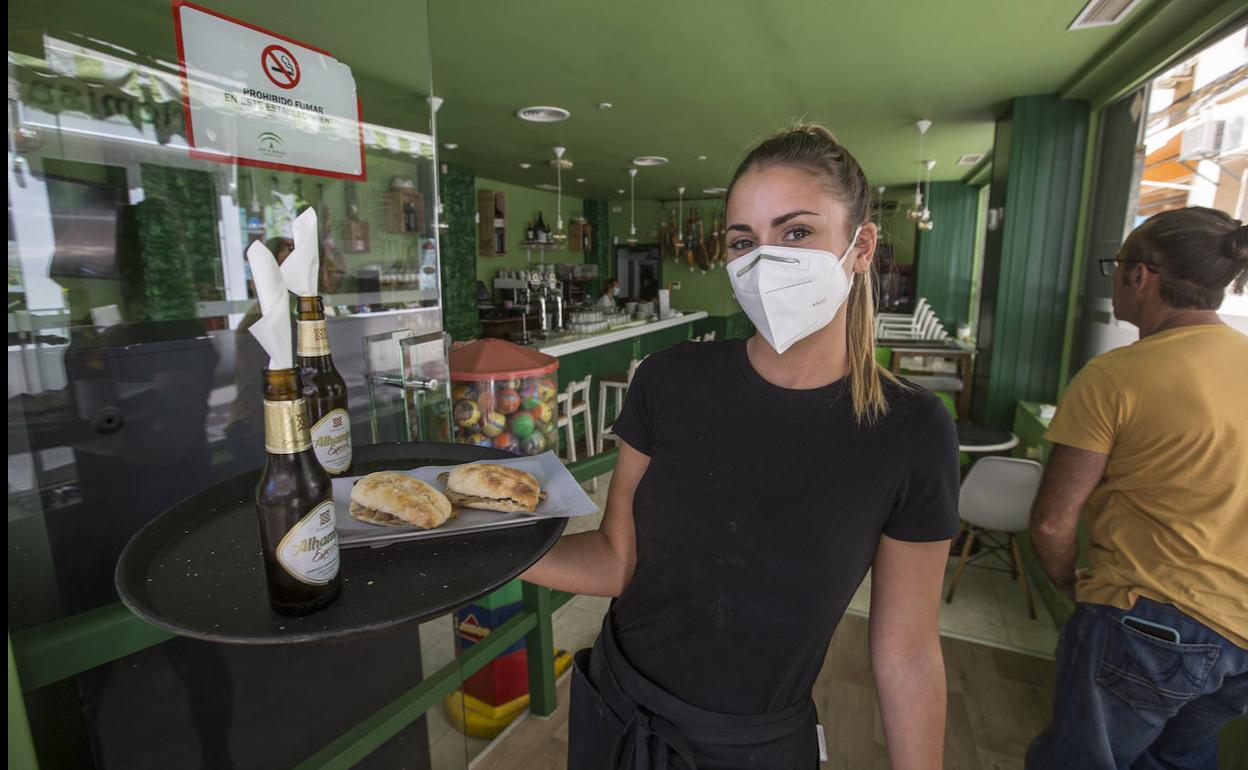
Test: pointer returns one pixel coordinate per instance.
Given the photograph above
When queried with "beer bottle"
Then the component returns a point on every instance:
(295, 503)
(323, 390)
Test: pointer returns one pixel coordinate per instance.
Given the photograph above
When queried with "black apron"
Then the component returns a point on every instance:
(619, 720)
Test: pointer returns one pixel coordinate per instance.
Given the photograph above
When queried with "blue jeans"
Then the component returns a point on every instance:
(1127, 700)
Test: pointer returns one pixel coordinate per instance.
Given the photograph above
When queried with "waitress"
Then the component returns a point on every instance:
(757, 481)
(610, 291)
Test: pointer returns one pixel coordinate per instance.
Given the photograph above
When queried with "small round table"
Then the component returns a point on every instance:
(197, 569)
(983, 439)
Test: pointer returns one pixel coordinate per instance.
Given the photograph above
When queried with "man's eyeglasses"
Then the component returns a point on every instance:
(1108, 265)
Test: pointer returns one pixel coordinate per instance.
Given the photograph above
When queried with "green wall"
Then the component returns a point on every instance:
(895, 229)
(459, 253)
(523, 204)
(946, 253)
(1032, 260)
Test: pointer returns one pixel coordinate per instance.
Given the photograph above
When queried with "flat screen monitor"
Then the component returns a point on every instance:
(85, 223)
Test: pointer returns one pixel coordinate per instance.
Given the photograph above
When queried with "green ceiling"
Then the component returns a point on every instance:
(709, 78)
(687, 77)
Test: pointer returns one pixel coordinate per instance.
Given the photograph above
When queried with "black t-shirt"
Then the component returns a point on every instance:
(758, 517)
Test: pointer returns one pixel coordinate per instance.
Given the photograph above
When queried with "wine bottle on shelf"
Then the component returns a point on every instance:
(530, 234)
(540, 228)
(500, 245)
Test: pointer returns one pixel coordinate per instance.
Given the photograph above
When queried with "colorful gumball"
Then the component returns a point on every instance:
(546, 389)
(467, 413)
(533, 444)
(514, 383)
(506, 442)
(508, 400)
(544, 413)
(522, 424)
(493, 424)
(480, 439)
(462, 392)
(486, 400)
(529, 397)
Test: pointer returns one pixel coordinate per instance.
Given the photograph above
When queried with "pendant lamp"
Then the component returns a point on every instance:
(632, 207)
(560, 235)
(918, 212)
(926, 222)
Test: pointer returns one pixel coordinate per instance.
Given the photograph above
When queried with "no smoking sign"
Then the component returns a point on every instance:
(280, 66)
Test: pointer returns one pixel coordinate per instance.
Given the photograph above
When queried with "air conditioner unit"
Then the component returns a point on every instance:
(1201, 141)
(1235, 136)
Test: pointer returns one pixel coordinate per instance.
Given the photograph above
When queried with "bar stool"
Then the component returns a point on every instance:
(574, 401)
(618, 384)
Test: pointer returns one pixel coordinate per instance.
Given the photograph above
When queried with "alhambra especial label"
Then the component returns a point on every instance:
(331, 438)
(313, 339)
(309, 551)
(285, 427)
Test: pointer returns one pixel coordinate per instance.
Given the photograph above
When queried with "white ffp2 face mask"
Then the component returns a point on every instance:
(790, 293)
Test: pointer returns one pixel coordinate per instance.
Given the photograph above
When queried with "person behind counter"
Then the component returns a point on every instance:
(732, 539)
(610, 291)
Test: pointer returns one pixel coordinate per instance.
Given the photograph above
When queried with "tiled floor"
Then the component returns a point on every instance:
(988, 608)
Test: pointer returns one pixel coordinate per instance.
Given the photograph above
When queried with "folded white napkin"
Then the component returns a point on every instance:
(273, 328)
(301, 268)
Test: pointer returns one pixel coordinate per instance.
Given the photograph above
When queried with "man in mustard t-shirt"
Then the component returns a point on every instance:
(1150, 446)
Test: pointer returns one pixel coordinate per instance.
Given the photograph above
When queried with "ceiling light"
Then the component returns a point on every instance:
(525, 165)
(649, 160)
(547, 186)
(451, 146)
(620, 191)
(1102, 13)
(701, 157)
(543, 114)
(970, 159)
(580, 179)
(714, 190)
(605, 105)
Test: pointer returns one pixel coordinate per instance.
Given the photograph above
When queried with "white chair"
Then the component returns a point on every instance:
(574, 401)
(619, 386)
(995, 504)
(708, 337)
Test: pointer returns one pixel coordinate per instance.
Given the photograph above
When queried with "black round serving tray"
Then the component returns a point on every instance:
(197, 569)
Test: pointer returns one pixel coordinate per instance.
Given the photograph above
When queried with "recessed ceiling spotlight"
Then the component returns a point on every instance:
(580, 179)
(605, 105)
(544, 114)
(970, 159)
(547, 186)
(714, 190)
(620, 191)
(649, 160)
(451, 146)
(525, 165)
(701, 157)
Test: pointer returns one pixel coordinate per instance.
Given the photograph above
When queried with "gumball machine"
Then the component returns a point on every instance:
(503, 395)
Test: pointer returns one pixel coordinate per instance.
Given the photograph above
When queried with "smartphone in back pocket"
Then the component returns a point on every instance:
(1167, 633)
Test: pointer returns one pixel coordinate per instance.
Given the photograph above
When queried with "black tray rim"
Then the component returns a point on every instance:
(153, 618)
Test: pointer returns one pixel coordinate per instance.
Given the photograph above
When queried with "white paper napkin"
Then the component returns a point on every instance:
(273, 328)
(301, 268)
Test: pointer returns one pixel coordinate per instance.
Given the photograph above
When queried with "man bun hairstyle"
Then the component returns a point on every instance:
(1197, 251)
